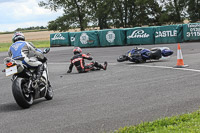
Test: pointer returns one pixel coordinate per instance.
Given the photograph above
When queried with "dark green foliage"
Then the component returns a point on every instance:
(173, 11)
(194, 10)
(74, 14)
(99, 12)
(32, 28)
(120, 13)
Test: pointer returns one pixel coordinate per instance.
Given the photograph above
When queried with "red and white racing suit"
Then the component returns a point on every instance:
(78, 61)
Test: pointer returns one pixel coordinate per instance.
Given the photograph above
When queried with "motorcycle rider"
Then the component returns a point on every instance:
(33, 57)
(78, 61)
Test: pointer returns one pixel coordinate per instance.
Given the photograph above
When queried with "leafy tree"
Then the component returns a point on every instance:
(120, 13)
(154, 13)
(194, 10)
(100, 11)
(173, 11)
(130, 13)
(74, 14)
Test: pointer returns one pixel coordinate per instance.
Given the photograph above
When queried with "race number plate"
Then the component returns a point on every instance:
(11, 70)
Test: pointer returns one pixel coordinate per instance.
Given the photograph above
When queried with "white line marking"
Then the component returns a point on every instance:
(184, 69)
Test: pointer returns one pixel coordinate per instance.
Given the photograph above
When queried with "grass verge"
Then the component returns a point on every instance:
(186, 123)
(38, 44)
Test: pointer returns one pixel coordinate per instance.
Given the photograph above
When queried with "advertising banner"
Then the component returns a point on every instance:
(168, 34)
(112, 37)
(140, 35)
(72, 38)
(191, 31)
(59, 39)
(85, 39)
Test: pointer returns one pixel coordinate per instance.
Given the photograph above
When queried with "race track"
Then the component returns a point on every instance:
(98, 101)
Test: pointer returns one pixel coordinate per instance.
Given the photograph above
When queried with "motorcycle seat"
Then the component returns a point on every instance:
(156, 54)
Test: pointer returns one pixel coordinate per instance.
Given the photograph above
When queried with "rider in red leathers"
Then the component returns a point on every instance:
(78, 61)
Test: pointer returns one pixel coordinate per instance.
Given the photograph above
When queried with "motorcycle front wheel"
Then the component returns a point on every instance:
(23, 98)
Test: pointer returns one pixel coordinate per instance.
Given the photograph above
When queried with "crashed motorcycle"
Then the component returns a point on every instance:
(25, 87)
(141, 55)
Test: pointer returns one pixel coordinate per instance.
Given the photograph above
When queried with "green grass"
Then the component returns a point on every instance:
(38, 44)
(186, 123)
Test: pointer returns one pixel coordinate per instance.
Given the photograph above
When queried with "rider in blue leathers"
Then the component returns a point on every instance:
(33, 57)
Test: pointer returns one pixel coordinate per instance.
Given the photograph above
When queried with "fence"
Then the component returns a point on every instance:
(128, 36)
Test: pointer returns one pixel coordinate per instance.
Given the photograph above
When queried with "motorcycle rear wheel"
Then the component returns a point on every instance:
(122, 58)
(22, 98)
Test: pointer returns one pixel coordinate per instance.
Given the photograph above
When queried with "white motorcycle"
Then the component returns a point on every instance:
(24, 86)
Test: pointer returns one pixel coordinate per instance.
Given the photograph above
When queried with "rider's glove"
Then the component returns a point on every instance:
(69, 71)
(43, 60)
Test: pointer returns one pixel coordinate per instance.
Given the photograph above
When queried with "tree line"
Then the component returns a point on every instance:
(120, 13)
(31, 28)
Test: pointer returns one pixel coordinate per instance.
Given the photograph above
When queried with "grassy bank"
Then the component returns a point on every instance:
(38, 44)
(186, 123)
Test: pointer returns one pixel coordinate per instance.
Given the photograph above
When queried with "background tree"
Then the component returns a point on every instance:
(120, 13)
(154, 12)
(99, 12)
(131, 13)
(194, 10)
(173, 11)
(74, 14)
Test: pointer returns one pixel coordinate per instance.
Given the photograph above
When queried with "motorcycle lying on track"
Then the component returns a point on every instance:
(25, 88)
(141, 55)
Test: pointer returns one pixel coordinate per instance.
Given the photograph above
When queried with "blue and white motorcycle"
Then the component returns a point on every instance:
(140, 55)
(25, 88)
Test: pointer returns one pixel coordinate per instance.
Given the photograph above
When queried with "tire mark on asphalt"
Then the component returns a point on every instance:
(67, 63)
(164, 67)
(149, 66)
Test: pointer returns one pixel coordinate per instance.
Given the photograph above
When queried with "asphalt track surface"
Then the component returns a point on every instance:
(125, 94)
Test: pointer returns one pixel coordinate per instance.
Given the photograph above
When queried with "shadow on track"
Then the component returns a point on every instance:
(148, 62)
(10, 107)
(76, 73)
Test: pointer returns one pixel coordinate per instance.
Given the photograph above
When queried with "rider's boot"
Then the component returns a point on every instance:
(99, 66)
(105, 65)
(39, 72)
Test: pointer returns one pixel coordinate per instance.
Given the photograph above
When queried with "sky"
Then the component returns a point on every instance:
(23, 14)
